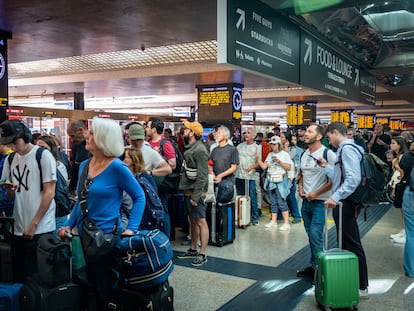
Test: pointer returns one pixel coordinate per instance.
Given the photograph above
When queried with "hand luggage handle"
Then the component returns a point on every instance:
(246, 188)
(325, 228)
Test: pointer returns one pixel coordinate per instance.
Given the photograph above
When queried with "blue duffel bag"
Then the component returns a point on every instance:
(9, 296)
(146, 259)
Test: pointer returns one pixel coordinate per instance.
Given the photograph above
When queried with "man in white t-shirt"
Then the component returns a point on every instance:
(314, 189)
(34, 207)
(154, 163)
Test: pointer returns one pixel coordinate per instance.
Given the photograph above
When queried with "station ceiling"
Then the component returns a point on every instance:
(147, 55)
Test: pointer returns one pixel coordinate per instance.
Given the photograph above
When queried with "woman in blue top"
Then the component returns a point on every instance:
(107, 178)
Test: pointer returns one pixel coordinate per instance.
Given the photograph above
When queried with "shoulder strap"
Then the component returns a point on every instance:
(325, 153)
(11, 157)
(162, 143)
(10, 160)
(39, 152)
(82, 190)
(340, 159)
(353, 146)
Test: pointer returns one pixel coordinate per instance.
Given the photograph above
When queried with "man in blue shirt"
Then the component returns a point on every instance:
(346, 176)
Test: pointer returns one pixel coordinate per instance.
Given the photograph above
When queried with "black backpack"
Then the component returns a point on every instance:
(62, 198)
(171, 182)
(374, 174)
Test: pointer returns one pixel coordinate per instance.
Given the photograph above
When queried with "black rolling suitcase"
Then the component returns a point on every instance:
(221, 223)
(37, 297)
(41, 294)
(6, 235)
(158, 298)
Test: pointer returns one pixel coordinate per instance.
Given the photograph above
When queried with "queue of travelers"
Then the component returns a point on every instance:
(268, 166)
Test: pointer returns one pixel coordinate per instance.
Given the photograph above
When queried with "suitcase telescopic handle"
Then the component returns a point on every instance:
(325, 229)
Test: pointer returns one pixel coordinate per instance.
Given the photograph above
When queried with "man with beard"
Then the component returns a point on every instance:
(225, 158)
(314, 189)
(76, 131)
(195, 189)
(379, 142)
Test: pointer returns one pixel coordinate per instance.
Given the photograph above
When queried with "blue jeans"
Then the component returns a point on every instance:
(408, 210)
(313, 215)
(292, 202)
(240, 188)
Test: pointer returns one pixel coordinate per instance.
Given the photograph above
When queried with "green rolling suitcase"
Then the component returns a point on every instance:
(336, 274)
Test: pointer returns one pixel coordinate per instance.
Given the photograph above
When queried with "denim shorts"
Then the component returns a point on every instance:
(195, 212)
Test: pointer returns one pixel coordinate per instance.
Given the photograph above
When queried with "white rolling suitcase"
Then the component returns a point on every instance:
(242, 207)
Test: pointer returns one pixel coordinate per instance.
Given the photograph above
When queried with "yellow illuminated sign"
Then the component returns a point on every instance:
(343, 116)
(294, 115)
(395, 124)
(365, 121)
(381, 120)
(214, 98)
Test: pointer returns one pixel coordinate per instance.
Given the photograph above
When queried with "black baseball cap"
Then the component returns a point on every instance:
(11, 130)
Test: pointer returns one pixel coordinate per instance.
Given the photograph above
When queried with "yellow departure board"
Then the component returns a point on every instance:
(214, 97)
(300, 112)
(344, 116)
(366, 121)
(294, 114)
(395, 125)
(381, 120)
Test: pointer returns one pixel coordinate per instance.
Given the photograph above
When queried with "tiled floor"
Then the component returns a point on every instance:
(258, 271)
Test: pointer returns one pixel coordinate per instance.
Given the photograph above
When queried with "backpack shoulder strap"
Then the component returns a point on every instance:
(325, 153)
(162, 143)
(10, 160)
(11, 157)
(355, 147)
(340, 158)
(39, 152)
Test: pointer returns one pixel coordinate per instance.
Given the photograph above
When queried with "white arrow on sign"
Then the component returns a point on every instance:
(242, 19)
(356, 82)
(308, 53)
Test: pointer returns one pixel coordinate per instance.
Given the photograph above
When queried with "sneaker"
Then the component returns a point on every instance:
(296, 221)
(398, 235)
(199, 260)
(271, 225)
(255, 222)
(363, 293)
(284, 227)
(399, 240)
(307, 272)
(190, 253)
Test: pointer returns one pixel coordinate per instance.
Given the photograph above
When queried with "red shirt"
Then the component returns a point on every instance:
(168, 149)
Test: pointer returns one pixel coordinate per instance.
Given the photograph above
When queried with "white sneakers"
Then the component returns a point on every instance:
(284, 227)
(399, 240)
(271, 225)
(398, 235)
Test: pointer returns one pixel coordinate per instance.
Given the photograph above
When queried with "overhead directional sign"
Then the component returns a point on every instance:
(326, 70)
(252, 36)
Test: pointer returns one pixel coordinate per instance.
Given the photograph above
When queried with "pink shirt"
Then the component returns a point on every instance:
(168, 149)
